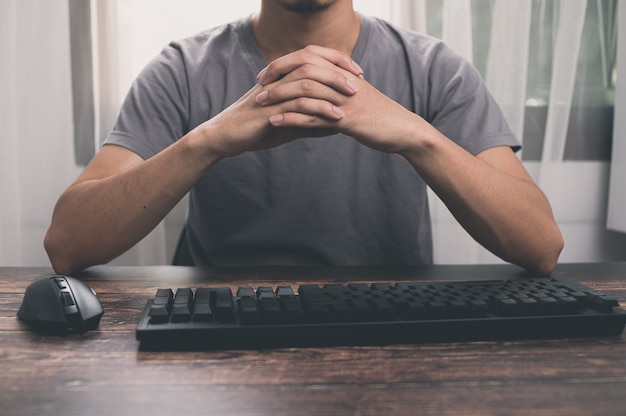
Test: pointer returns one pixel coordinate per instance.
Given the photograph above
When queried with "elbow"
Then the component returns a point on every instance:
(59, 253)
(545, 261)
(545, 266)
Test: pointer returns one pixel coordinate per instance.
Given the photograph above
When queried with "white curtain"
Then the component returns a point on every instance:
(130, 33)
(9, 210)
(36, 144)
(617, 193)
(579, 204)
(36, 148)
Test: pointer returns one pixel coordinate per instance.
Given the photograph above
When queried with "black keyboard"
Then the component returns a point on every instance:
(378, 313)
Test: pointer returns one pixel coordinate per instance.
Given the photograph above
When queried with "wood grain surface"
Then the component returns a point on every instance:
(104, 372)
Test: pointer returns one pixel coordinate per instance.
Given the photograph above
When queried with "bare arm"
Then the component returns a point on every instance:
(494, 199)
(117, 201)
(491, 194)
(120, 198)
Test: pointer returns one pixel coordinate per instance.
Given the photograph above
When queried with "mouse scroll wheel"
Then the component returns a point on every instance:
(60, 282)
(67, 299)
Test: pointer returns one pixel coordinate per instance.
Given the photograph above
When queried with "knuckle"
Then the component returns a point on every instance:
(303, 54)
(300, 104)
(308, 55)
(310, 119)
(339, 79)
(345, 60)
(306, 70)
(269, 71)
(307, 86)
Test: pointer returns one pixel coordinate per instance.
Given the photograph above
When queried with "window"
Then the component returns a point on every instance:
(589, 134)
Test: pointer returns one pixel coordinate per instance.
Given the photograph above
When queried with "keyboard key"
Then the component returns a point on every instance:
(181, 309)
(382, 309)
(361, 310)
(284, 291)
(457, 308)
(605, 303)
(549, 305)
(435, 309)
(245, 292)
(415, 310)
(265, 292)
(270, 310)
(530, 305)
(303, 290)
(202, 311)
(248, 311)
(224, 309)
(567, 303)
(507, 306)
(317, 312)
(340, 312)
(162, 305)
(291, 309)
(478, 307)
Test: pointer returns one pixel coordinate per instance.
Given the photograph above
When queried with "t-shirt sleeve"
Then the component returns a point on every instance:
(155, 112)
(461, 106)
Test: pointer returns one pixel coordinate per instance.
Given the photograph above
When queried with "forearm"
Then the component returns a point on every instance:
(99, 218)
(491, 194)
(119, 198)
(507, 214)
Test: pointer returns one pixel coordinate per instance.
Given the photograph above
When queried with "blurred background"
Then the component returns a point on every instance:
(552, 65)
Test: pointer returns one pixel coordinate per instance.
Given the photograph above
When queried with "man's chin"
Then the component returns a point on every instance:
(306, 6)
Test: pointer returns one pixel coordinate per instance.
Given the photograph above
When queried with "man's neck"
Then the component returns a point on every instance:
(279, 32)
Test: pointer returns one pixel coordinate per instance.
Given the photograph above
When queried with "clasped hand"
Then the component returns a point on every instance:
(313, 92)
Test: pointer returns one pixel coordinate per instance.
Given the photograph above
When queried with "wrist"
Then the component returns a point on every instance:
(418, 139)
(201, 145)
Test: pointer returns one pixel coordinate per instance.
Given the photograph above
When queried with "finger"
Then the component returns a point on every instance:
(309, 88)
(333, 77)
(340, 59)
(306, 109)
(315, 55)
(300, 120)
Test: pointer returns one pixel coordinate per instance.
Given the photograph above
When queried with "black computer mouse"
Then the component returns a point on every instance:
(59, 305)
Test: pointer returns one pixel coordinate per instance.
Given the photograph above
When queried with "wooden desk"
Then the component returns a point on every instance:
(103, 372)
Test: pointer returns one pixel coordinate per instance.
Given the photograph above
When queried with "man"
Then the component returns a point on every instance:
(321, 157)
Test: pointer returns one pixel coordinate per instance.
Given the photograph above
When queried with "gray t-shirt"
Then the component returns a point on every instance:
(318, 201)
